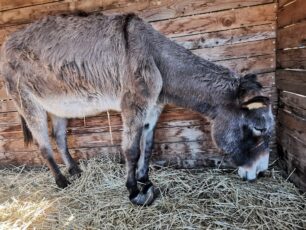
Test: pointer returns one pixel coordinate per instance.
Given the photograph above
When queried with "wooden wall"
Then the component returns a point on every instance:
(237, 34)
(291, 82)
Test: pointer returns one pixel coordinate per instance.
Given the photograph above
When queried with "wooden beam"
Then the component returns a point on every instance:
(293, 81)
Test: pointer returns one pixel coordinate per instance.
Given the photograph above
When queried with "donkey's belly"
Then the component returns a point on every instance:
(71, 107)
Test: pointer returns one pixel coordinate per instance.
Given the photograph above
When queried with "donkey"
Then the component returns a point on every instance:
(82, 64)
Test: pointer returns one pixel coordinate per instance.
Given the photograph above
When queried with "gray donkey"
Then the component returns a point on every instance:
(82, 64)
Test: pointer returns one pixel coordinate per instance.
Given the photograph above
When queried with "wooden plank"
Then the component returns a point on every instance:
(291, 59)
(165, 9)
(292, 36)
(294, 103)
(240, 50)
(7, 106)
(293, 81)
(292, 151)
(14, 141)
(222, 20)
(281, 3)
(9, 4)
(292, 13)
(227, 37)
(296, 124)
(259, 64)
(151, 10)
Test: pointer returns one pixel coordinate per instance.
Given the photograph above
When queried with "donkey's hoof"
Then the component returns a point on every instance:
(61, 181)
(145, 197)
(75, 170)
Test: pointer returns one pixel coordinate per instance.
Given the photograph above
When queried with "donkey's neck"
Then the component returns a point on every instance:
(192, 82)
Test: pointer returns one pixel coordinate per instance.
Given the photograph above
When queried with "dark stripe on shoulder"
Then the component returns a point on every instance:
(128, 18)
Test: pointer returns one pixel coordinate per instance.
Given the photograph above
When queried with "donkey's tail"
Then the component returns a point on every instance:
(27, 135)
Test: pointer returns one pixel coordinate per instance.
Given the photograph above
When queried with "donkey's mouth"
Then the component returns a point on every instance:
(251, 171)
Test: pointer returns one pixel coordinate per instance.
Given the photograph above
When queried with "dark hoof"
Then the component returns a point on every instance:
(261, 174)
(61, 181)
(252, 181)
(145, 197)
(75, 170)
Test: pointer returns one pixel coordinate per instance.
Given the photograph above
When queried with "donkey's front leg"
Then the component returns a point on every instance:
(147, 142)
(133, 122)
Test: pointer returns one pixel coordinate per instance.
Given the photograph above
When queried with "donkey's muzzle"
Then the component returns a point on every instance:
(253, 169)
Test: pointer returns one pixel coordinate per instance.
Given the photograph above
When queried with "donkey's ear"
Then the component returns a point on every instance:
(256, 103)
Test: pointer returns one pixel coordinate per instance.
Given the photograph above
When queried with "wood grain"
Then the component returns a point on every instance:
(292, 13)
(292, 59)
(293, 81)
(240, 50)
(222, 20)
(227, 37)
(151, 10)
(293, 36)
(13, 4)
(259, 64)
(292, 152)
(294, 123)
(294, 103)
(281, 3)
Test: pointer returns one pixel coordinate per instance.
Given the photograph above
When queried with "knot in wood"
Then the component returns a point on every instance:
(227, 21)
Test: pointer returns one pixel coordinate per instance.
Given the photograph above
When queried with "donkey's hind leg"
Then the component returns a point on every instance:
(59, 126)
(36, 120)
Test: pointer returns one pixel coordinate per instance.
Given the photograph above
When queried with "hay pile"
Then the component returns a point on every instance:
(189, 200)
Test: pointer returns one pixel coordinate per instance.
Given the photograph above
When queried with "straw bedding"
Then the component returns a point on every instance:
(209, 199)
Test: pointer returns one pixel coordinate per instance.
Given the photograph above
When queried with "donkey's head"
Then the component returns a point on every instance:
(244, 128)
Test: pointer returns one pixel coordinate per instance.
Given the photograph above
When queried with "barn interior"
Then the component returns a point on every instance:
(198, 184)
